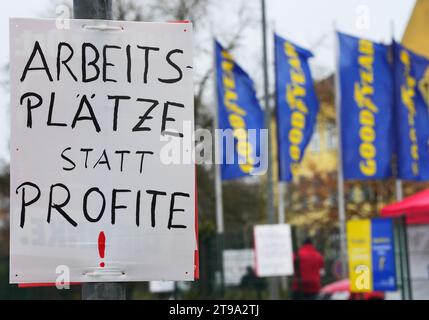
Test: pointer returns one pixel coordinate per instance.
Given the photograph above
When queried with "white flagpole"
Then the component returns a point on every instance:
(398, 182)
(218, 182)
(282, 187)
(218, 160)
(218, 178)
(341, 200)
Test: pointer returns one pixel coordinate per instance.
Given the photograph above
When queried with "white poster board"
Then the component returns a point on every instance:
(418, 250)
(99, 190)
(273, 250)
(235, 264)
(161, 286)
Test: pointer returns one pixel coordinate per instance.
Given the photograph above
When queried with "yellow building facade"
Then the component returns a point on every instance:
(416, 37)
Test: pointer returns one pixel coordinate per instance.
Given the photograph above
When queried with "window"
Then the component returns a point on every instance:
(331, 136)
(315, 142)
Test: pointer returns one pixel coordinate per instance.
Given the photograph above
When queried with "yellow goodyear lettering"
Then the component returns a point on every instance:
(236, 114)
(295, 95)
(408, 91)
(363, 92)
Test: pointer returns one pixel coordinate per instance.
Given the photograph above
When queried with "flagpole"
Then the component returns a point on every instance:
(399, 191)
(281, 185)
(274, 292)
(218, 160)
(340, 174)
(218, 177)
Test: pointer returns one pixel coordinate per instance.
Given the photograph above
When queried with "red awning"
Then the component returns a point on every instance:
(415, 208)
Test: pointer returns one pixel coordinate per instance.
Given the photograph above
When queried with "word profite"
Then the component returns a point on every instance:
(141, 202)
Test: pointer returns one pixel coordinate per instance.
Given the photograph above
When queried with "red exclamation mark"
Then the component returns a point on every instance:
(101, 247)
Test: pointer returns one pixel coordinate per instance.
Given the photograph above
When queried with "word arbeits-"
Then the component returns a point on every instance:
(95, 66)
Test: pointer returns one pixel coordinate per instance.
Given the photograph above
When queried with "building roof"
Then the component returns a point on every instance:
(416, 34)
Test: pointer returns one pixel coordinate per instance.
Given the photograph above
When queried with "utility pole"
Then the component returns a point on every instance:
(340, 176)
(399, 190)
(98, 9)
(220, 227)
(274, 290)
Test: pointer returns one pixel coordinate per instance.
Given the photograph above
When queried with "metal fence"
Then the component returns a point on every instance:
(233, 281)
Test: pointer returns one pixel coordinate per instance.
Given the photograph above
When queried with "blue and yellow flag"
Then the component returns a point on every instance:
(240, 118)
(366, 108)
(412, 119)
(297, 105)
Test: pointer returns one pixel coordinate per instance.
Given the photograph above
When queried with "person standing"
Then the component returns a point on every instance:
(309, 266)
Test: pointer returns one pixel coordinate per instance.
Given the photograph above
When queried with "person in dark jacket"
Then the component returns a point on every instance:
(309, 265)
(251, 281)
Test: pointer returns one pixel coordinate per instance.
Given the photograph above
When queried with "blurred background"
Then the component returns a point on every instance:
(311, 199)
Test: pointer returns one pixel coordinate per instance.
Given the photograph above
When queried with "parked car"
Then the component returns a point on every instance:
(340, 290)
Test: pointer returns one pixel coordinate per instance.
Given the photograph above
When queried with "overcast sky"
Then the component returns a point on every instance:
(308, 23)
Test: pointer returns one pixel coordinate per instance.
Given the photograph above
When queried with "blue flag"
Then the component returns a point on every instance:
(240, 118)
(297, 105)
(383, 255)
(412, 119)
(366, 108)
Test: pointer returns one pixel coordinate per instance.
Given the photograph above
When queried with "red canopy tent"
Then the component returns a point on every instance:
(415, 208)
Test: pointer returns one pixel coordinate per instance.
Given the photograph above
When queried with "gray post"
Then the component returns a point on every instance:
(282, 186)
(220, 227)
(407, 258)
(92, 9)
(341, 201)
(98, 9)
(274, 290)
(399, 190)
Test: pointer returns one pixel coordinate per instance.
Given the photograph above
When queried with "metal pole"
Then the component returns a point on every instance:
(281, 185)
(218, 160)
(398, 256)
(98, 9)
(282, 188)
(274, 290)
(407, 259)
(399, 190)
(398, 182)
(92, 9)
(218, 183)
(341, 202)
(218, 177)
(281, 212)
(401, 256)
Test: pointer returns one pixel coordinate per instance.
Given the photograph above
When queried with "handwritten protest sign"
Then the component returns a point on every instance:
(97, 110)
(273, 250)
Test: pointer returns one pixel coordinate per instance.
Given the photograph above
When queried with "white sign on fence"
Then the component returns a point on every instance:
(273, 250)
(161, 286)
(418, 250)
(235, 264)
(97, 111)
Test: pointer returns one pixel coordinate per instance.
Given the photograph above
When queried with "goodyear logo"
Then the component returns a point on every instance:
(295, 97)
(236, 115)
(363, 96)
(408, 92)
